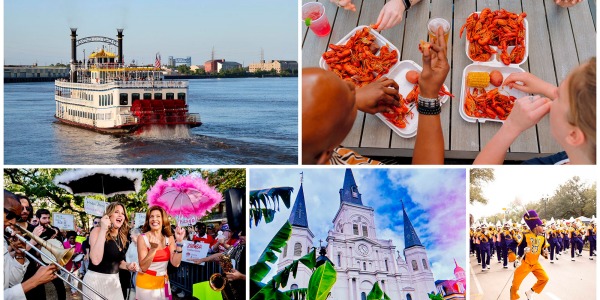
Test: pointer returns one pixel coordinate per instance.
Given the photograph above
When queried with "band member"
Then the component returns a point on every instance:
(485, 250)
(553, 236)
(576, 234)
(15, 262)
(108, 244)
(533, 244)
(156, 248)
(27, 212)
(506, 241)
(237, 253)
(591, 236)
(71, 266)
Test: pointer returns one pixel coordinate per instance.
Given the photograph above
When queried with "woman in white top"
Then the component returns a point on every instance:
(156, 248)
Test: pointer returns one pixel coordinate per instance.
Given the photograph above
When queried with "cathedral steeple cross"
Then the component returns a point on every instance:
(320, 241)
(301, 177)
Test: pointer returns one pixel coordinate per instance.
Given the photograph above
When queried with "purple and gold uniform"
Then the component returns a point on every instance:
(536, 243)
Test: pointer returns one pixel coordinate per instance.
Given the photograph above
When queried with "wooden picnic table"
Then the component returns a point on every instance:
(559, 40)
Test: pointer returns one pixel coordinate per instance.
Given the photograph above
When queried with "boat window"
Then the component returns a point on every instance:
(123, 99)
(135, 96)
(181, 96)
(147, 96)
(170, 96)
(158, 96)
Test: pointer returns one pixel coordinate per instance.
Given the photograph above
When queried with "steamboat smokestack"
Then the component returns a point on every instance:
(120, 43)
(73, 54)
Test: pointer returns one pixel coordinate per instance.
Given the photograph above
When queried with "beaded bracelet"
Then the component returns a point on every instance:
(429, 106)
(406, 4)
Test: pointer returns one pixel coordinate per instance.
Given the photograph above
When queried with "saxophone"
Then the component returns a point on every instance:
(219, 282)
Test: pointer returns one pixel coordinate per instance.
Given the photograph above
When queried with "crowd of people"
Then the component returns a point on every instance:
(113, 257)
(562, 237)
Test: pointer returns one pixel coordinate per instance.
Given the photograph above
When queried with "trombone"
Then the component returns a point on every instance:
(61, 257)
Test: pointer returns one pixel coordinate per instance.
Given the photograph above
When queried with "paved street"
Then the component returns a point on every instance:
(568, 279)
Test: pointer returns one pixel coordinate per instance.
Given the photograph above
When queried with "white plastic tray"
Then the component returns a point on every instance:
(496, 57)
(398, 74)
(379, 40)
(488, 67)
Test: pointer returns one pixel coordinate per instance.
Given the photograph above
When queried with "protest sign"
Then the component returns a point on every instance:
(139, 220)
(193, 250)
(63, 221)
(95, 207)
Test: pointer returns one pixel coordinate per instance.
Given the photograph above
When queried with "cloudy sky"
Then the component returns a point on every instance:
(434, 198)
(527, 184)
(38, 30)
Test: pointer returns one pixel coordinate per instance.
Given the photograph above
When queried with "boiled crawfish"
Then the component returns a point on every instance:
(499, 28)
(400, 114)
(360, 60)
(488, 104)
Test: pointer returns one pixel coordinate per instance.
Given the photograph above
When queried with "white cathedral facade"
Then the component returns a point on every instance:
(358, 256)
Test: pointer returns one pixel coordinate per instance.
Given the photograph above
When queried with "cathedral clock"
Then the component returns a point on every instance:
(363, 249)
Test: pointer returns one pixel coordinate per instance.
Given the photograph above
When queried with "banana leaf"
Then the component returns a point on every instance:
(321, 282)
(269, 292)
(376, 293)
(266, 197)
(259, 270)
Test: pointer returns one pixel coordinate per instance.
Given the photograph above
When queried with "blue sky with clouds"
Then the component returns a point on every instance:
(435, 200)
(38, 30)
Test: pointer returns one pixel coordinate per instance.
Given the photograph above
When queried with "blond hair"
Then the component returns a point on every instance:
(582, 104)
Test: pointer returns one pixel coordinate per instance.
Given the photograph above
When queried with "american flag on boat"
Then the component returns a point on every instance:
(157, 61)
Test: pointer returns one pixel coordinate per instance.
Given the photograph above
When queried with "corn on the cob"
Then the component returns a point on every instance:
(478, 79)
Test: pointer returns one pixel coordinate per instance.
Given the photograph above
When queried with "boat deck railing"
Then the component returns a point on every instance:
(125, 84)
(161, 119)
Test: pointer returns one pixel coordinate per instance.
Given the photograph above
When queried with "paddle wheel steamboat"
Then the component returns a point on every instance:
(105, 95)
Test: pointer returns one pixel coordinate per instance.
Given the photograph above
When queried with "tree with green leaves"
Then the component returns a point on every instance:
(479, 176)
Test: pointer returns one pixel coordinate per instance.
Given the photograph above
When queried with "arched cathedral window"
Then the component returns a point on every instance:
(355, 228)
(386, 266)
(424, 264)
(364, 266)
(285, 250)
(298, 249)
(339, 260)
(408, 297)
(365, 231)
(414, 265)
(363, 296)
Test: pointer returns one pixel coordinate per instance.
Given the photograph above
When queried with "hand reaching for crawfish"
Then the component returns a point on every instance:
(435, 66)
(529, 83)
(378, 96)
(527, 112)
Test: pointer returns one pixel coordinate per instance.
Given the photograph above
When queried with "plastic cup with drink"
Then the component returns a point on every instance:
(433, 26)
(313, 15)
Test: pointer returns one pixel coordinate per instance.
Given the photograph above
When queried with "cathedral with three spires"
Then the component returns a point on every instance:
(359, 257)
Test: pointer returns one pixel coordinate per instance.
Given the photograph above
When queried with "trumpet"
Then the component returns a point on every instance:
(52, 255)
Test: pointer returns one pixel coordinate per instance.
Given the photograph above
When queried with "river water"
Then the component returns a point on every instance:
(245, 121)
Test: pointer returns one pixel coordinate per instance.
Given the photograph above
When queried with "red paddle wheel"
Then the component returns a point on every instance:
(160, 112)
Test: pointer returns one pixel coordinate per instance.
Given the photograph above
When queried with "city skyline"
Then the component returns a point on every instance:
(433, 212)
(42, 35)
